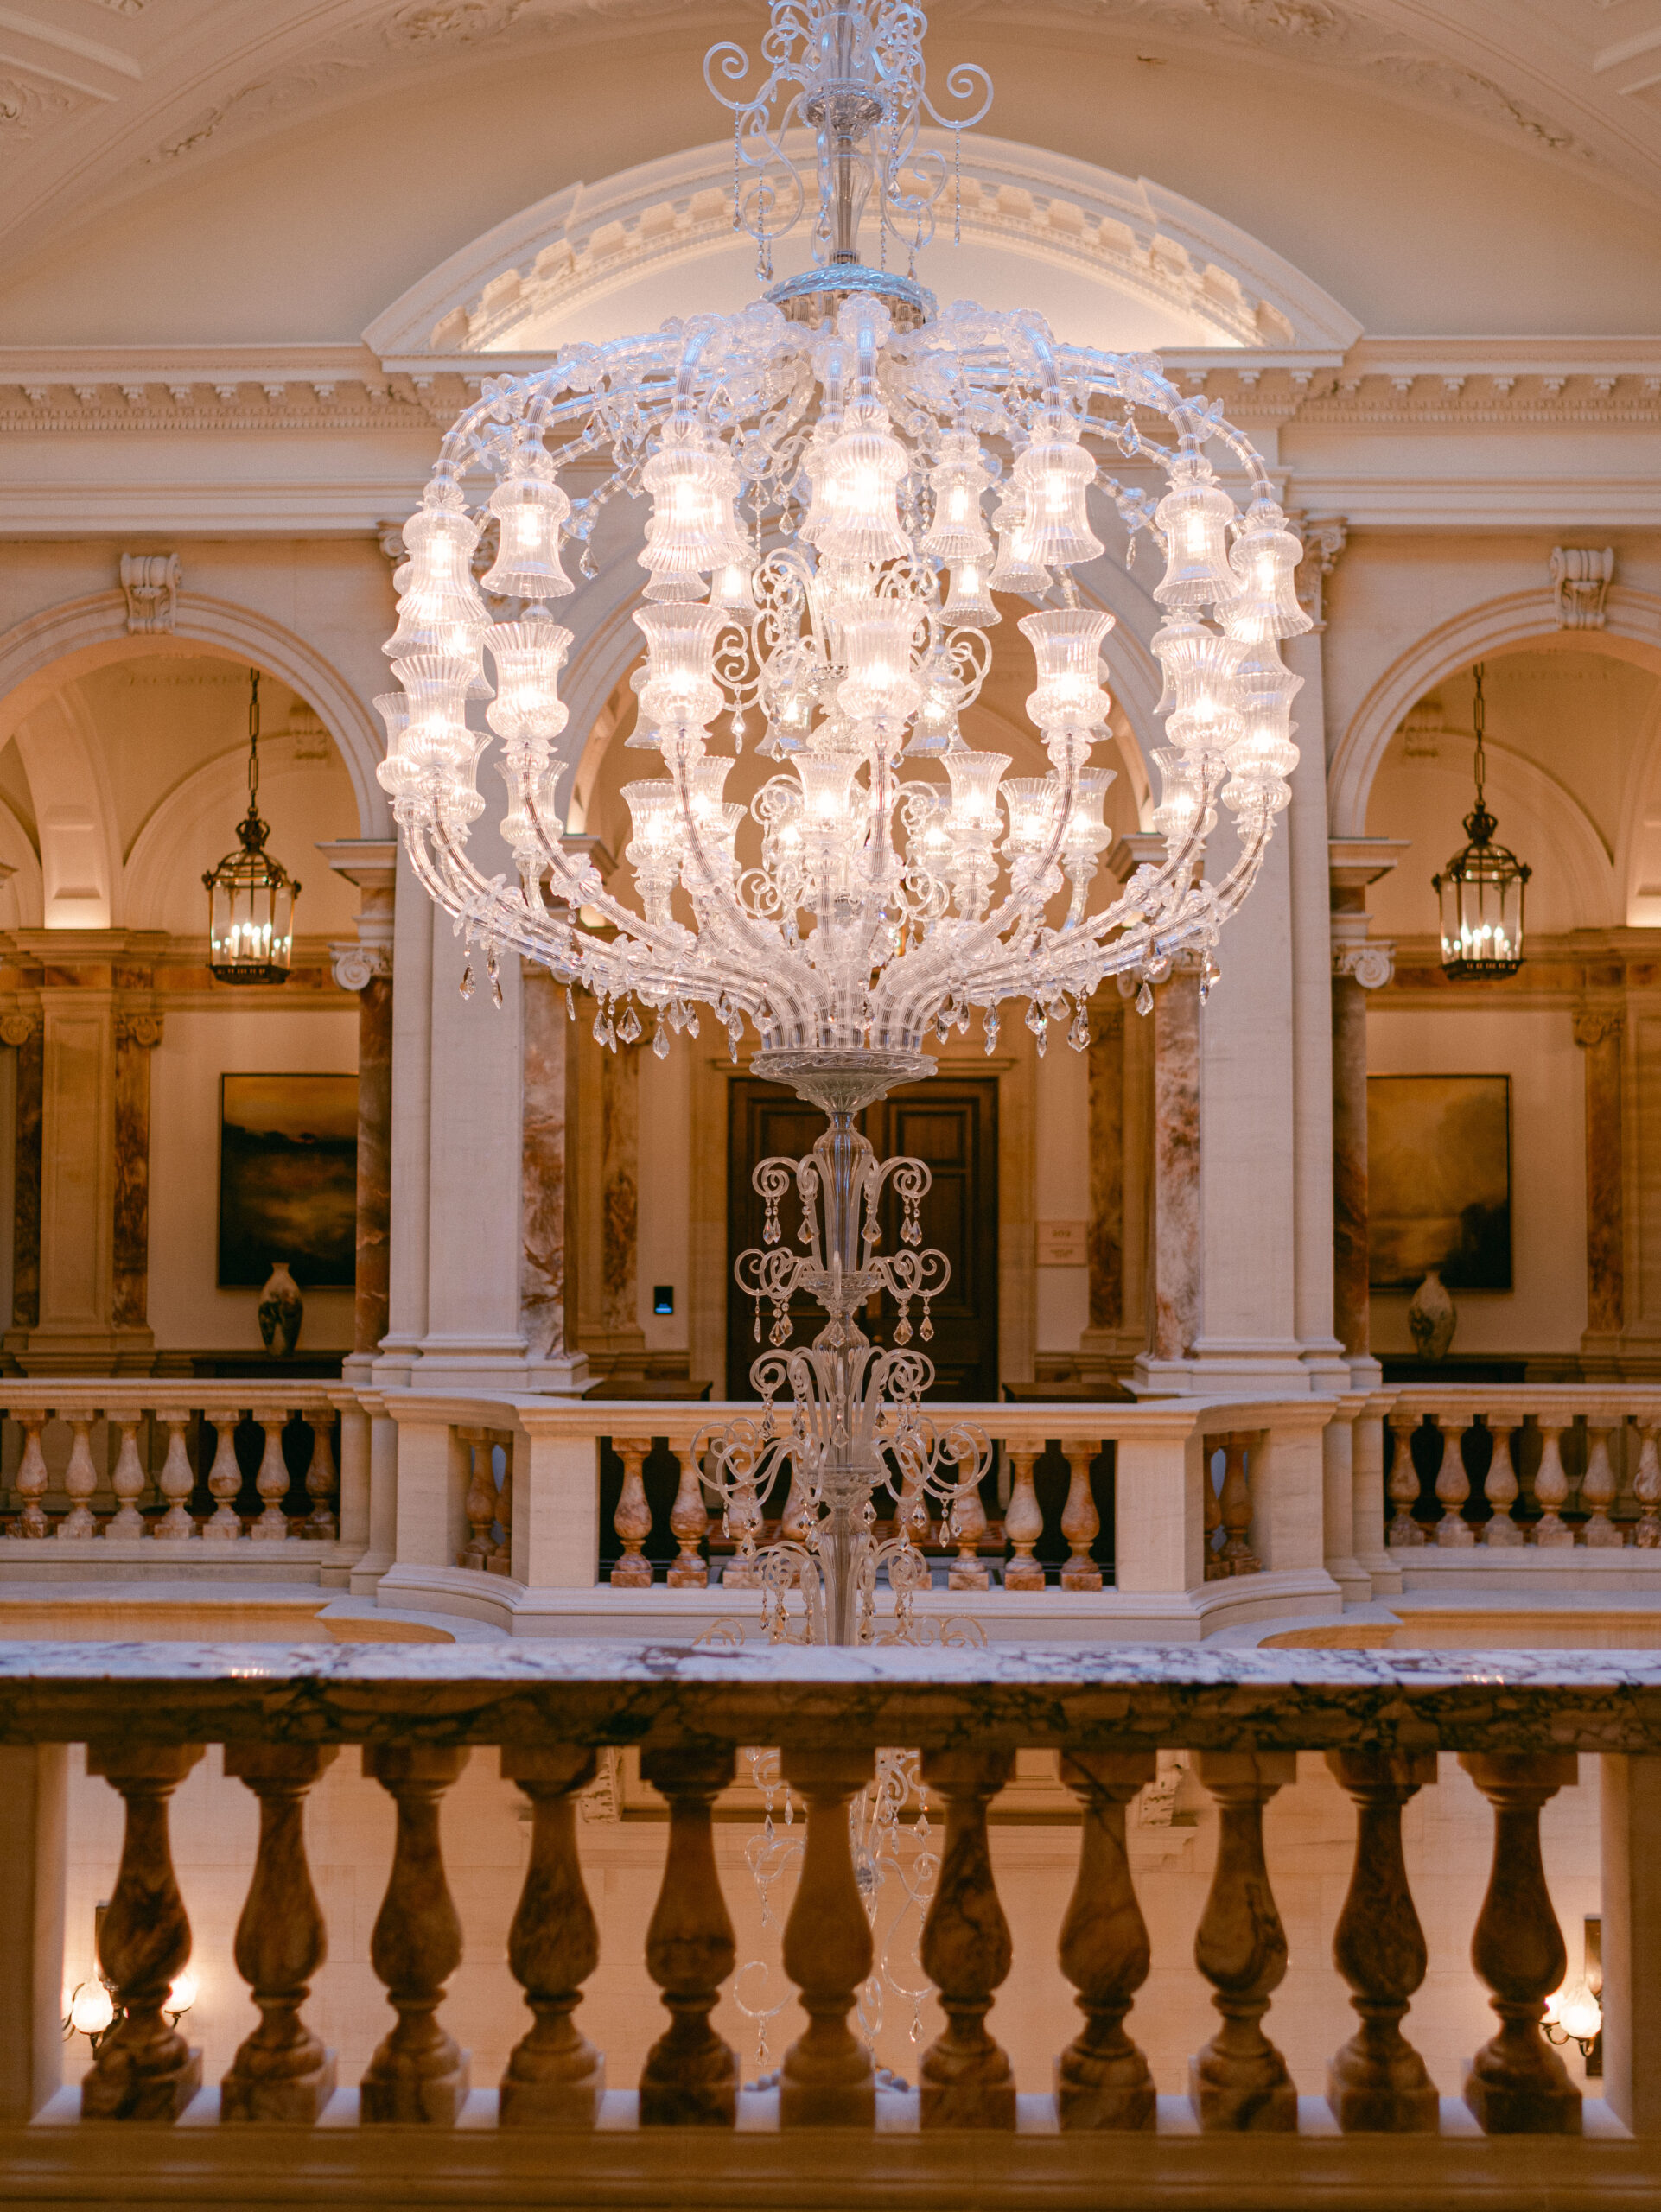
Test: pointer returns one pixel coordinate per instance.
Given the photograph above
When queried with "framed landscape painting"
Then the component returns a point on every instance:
(1439, 1180)
(288, 1179)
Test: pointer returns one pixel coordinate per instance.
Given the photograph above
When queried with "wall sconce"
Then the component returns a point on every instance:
(1575, 2013)
(92, 2010)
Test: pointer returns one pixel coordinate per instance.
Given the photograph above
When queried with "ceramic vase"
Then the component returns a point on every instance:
(1433, 1317)
(281, 1310)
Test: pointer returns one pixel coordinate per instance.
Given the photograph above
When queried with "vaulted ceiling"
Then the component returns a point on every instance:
(100, 99)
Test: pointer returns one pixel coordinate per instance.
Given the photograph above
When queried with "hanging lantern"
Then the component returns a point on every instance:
(249, 895)
(1481, 889)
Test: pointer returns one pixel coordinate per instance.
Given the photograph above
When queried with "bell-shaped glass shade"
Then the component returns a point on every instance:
(440, 601)
(530, 510)
(1481, 893)
(1195, 517)
(1052, 474)
(396, 774)
(958, 531)
(692, 481)
(1264, 560)
(437, 736)
(1177, 815)
(975, 778)
(826, 780)
(1014, 570)
(969, 601)
(1067, 644)
(1088, 834)
(529, 656)
(653, 852)
(250, 910)
(879, 686)
(935, 729)
(679, 691)
(1030, 802)
(863, 466)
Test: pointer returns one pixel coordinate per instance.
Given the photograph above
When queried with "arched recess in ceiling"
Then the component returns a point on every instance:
(1114, 262)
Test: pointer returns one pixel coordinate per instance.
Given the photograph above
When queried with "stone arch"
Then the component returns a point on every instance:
(1508, 625)
(81, 634)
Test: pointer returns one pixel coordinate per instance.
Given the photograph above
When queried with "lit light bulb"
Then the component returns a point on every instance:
(92, 2008)
(183, 1995)
(1580, 2014)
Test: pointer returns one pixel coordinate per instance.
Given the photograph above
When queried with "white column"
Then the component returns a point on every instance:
(1630, 1822)
(34, 1808)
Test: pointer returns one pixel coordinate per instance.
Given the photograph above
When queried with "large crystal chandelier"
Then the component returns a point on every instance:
(821, 567)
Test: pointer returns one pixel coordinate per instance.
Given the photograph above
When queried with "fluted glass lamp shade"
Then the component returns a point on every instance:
(250, 894)
(1481, 893)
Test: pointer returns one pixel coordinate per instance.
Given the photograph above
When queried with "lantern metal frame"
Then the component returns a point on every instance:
(245, 876)
(1480, 872)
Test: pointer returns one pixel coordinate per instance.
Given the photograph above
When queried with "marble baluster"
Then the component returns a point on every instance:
(280, 2072)
(1403, 1486)
(501, 1560)
(33, 1479)
(555, 2076)
(688, 1524)
(966, 2080)
(144, 2069)
(1239, 2080)
(224, 1483)
(1376, 2084)
(322, 1482)
(1647, 1489)
(80, 1481)
(1500, 1487)
(691, 2076)
(416, 2073)
(128, 1479)
(1080, 1522)
(1517, 2084)
(1235, 1505)
(1023, 1518)
(968, 1525)
(273, 1480)
(828, 2079)
(175, 1483)
(633, 1519)
(480, 1503)
(1551, 1487)
(1598, 1488)
(1101, 2078)
(1453, 1484)
(1212, 1510)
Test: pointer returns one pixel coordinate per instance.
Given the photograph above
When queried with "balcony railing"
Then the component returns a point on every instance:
(1516, 2129)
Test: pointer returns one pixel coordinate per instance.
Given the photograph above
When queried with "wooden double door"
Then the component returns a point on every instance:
(949, 1124)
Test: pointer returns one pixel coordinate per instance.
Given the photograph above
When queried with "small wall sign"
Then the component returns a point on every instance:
(1061, 1243)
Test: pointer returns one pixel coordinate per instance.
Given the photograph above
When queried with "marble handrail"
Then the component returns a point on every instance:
(1517, 1723)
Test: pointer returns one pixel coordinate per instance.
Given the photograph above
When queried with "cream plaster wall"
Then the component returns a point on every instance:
(308, 234)
(663, 1248)
(1310, 1831)
(198, 1047)
(1546, 1310)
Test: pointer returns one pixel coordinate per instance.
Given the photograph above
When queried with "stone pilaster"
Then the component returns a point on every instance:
(1176, 1192)
(1359, 965)
(24, 1031)
(136, 1035)
(1600, 1032)
(547, 1211)
(1109, 1339)
(364, 966)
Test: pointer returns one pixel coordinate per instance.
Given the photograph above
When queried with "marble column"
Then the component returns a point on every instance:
(25, 1032)
(1359, 966)
(136, 1035)
(1176, 1225)
(1599, 1031)
(364, 966)
(620, 1194)
(547, 1212)
(1105, 1339)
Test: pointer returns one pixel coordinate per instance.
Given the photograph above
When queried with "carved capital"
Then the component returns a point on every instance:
(1580, 582)
(389, 538)
(151, 583)
(1370, 961)
(15, 1029)
(356, 966)
(1324, 538)
(1594, 1023)
(142, 1029)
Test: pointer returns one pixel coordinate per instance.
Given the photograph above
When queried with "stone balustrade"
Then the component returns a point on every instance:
(1492, 1470)
(1520, 2129)
(140, 1467)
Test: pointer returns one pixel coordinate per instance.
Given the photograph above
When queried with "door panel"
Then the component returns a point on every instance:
(949, 1124)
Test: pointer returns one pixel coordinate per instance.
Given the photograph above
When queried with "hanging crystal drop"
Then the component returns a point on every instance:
(991, 1028)
(496, 992)
(1145, 997)
(466, 981)
(570, 1004)
(628, 1029)
(738, 730)
(660, 1040)
(926, 1331)
(599, 1025)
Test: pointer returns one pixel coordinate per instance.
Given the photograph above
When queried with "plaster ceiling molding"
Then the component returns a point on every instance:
(1112, 261)
(31, 104)
(21, 895)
